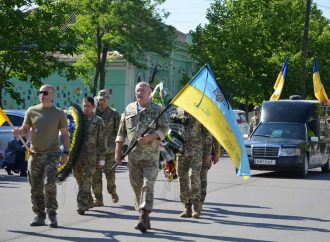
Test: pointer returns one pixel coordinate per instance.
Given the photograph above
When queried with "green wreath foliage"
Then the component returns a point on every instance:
(76, 124)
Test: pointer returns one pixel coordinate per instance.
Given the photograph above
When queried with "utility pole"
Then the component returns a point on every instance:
(305, 47)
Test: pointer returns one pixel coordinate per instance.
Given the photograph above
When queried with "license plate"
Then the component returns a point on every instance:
(264, 162)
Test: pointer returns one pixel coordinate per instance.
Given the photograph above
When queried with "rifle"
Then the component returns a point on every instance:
(131, 147)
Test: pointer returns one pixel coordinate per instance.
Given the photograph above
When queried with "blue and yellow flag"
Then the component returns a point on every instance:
(3, 117)
(278, 87)
(204, 100)
(319, 90)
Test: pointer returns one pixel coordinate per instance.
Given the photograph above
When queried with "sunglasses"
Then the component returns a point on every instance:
(44, 92)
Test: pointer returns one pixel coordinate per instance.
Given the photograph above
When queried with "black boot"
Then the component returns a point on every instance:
(53, 221)
(142, 224)
(37, 221)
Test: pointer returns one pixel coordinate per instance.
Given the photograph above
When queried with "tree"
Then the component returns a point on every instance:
(30, 41)
(129, 28)
(246, 42)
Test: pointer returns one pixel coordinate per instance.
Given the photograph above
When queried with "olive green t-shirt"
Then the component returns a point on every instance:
(46, 123)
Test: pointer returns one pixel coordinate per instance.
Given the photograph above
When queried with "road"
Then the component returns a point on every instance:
(267, 207)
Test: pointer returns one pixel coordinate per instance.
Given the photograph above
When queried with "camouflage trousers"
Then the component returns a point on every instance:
(204, 170)
(110, 176)
(42, 177)
(189, 168)
(142, 175)
(83, 174)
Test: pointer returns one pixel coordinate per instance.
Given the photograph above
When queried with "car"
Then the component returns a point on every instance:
(293, 135)
(242, 123)
(17, 118)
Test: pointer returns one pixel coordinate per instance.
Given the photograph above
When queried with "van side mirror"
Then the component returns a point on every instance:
(314, 139)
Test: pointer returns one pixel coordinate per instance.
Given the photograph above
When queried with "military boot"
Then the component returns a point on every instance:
(114, 197)
(98, 203)
(187, 212)
(197, 210)
(53, 221)
(142, 224)
(38, 221)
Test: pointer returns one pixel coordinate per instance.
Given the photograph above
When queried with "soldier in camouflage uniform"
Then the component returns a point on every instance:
(215, 154)
(254, 121)
(92, 154)
(111, 120)
(45, 121)
(194, 154)
(143, 161)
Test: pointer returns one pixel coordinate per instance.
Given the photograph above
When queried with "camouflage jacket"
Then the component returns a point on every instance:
(111, 120)
(94, 147)
(134, 123)
(197, 140)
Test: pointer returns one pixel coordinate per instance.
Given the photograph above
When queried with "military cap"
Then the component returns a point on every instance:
(103, 94)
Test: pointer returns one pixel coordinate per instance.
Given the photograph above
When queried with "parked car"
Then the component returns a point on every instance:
(242, 123)
(292, 135)
(17, 118)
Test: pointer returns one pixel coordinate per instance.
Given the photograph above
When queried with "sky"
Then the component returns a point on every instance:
(187, 14)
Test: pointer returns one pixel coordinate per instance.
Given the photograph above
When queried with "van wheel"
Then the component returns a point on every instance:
(304, 169)
(326, 167)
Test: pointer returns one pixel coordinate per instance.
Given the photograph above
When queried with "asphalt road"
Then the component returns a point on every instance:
(267, 207)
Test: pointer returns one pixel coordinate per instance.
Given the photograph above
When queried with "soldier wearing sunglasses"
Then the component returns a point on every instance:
(45, 122)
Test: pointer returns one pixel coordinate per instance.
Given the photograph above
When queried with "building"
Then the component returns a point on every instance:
(121, 77)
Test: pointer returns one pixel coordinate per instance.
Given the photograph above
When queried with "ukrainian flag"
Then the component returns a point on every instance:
(3, 117)
(204, 100)
(278, 87)
(319, 90)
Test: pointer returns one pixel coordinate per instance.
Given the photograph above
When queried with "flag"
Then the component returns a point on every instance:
(3, 117)
(319, 90)
(278, 87)
(204, 100)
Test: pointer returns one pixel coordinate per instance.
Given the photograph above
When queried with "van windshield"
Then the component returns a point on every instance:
(281, 130)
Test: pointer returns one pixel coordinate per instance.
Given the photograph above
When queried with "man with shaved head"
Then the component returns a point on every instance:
(143, 161)
(45, 122)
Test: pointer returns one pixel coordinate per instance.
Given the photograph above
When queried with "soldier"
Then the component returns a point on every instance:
(215, 154)
(254, 121)
(194, 154)
(92, 153)
(46, 121)
(143, 161)
(111, 120)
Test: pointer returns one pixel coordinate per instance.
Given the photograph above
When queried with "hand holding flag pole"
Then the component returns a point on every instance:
(4, 118)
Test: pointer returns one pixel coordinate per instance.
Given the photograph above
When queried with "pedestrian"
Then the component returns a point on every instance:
(111, 119)
(196, 150)
(254, 121)
(143, 161)
(15, 157)
(92, 154)
(215, 155)
(45, 122)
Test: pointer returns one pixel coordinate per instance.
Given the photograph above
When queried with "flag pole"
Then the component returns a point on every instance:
(144, 132)
(19, 136)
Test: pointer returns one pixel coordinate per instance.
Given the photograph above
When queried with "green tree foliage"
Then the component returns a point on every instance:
(246, 42)
(31, 40)
(124, 27)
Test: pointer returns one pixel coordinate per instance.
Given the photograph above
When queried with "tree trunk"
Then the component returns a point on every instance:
(1, 96)
(102, 67)
(305, 48)
(98, 62)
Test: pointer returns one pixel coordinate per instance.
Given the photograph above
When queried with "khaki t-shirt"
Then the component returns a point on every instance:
(45, 123)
